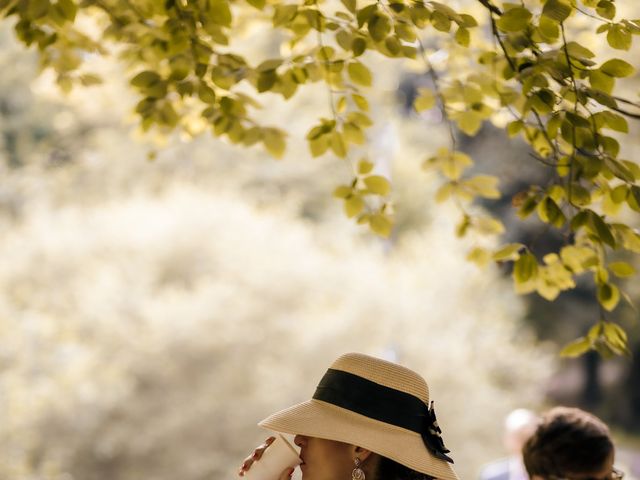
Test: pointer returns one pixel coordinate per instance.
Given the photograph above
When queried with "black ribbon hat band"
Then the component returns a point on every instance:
(385, 404)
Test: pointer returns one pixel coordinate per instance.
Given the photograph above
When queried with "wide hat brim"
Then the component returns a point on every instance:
(316, 418)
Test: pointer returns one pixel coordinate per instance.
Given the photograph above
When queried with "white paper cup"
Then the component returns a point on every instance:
(278, 456)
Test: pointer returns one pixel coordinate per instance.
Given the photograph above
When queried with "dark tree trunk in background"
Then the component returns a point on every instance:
(633, 391)
(592, 392)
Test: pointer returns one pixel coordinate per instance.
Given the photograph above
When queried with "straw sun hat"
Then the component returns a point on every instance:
(374, 404)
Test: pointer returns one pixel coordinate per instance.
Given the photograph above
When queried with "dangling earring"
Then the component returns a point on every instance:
(358, 473)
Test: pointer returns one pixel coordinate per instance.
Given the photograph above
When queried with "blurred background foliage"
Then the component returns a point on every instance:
(153, 311)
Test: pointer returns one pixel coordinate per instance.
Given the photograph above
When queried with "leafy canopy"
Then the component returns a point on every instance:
(561, 98)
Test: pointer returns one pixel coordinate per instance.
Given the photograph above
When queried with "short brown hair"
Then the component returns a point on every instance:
(568, 441)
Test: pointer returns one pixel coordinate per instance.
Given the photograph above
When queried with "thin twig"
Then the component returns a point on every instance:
(439, 95)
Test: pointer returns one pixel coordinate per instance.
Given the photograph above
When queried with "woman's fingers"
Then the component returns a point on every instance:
(286, 475)
(258, 452)
(255, 456)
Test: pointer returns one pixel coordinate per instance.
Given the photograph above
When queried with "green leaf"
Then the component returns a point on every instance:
(358, 46)
(364, 167)
(619, 194)
(619, 37)
(600, 228)
(615, 335)
(359, 74)
(360, 102)
(548, 28)
(633, 199)
(525, 268)
(206, 94)
(318, 146)
(283, 14)
(610, 145)
(469, 122)
(337, 144)
(483, 185)
(366, 13)
(274, 142)
(445, 191)
(379, 26)
(324, 54)
(613, 121)
(514, 20)
(343, 191)
(479, 256)
(468, 21)
(392, 45)
(579, 195)
(549, 212)
(577, 120)
(542, 101)
(89, 79)
(440, 21)
(269, 65)
(451, 164)
(425, 100)
(35, 8)
(510, 251)
(353, 205)
(528, 207)
(617, 68)
(579, 51)
(577, 258)
(405, 32)
(621, 269)
(602, 98)
(259, 4)
(447, 11)
(220, 12)
(579, 220)
(487, 225)
(266, 81)
(557, 10)
(633, 167)
(353, 133)
(463, 226)
(378, 184)
(606, 9)
(381, 225)
(463, 37)
(68, 9)
(145, 79)
(514, 127)
(359, 119)
(350, 5)
(180, 66)
(344, 39)
(576, 348)
(608, 296)
(601, 81)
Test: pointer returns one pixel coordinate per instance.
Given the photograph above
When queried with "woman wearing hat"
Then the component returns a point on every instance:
(368, 418)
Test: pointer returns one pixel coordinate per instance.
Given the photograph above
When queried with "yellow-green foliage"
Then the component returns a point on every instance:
(152, 312)
(563, 98)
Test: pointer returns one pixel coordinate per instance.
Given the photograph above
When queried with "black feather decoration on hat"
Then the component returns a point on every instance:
(432, 436)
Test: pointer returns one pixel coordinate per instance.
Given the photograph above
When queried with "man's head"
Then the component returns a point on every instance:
(570, 443)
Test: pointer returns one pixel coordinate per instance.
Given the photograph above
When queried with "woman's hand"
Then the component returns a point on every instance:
(257, 455)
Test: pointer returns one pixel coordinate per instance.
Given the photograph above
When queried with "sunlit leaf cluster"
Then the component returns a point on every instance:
(562, 99)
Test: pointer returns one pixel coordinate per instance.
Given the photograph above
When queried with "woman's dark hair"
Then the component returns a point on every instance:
(391, 470)
(568, 441)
